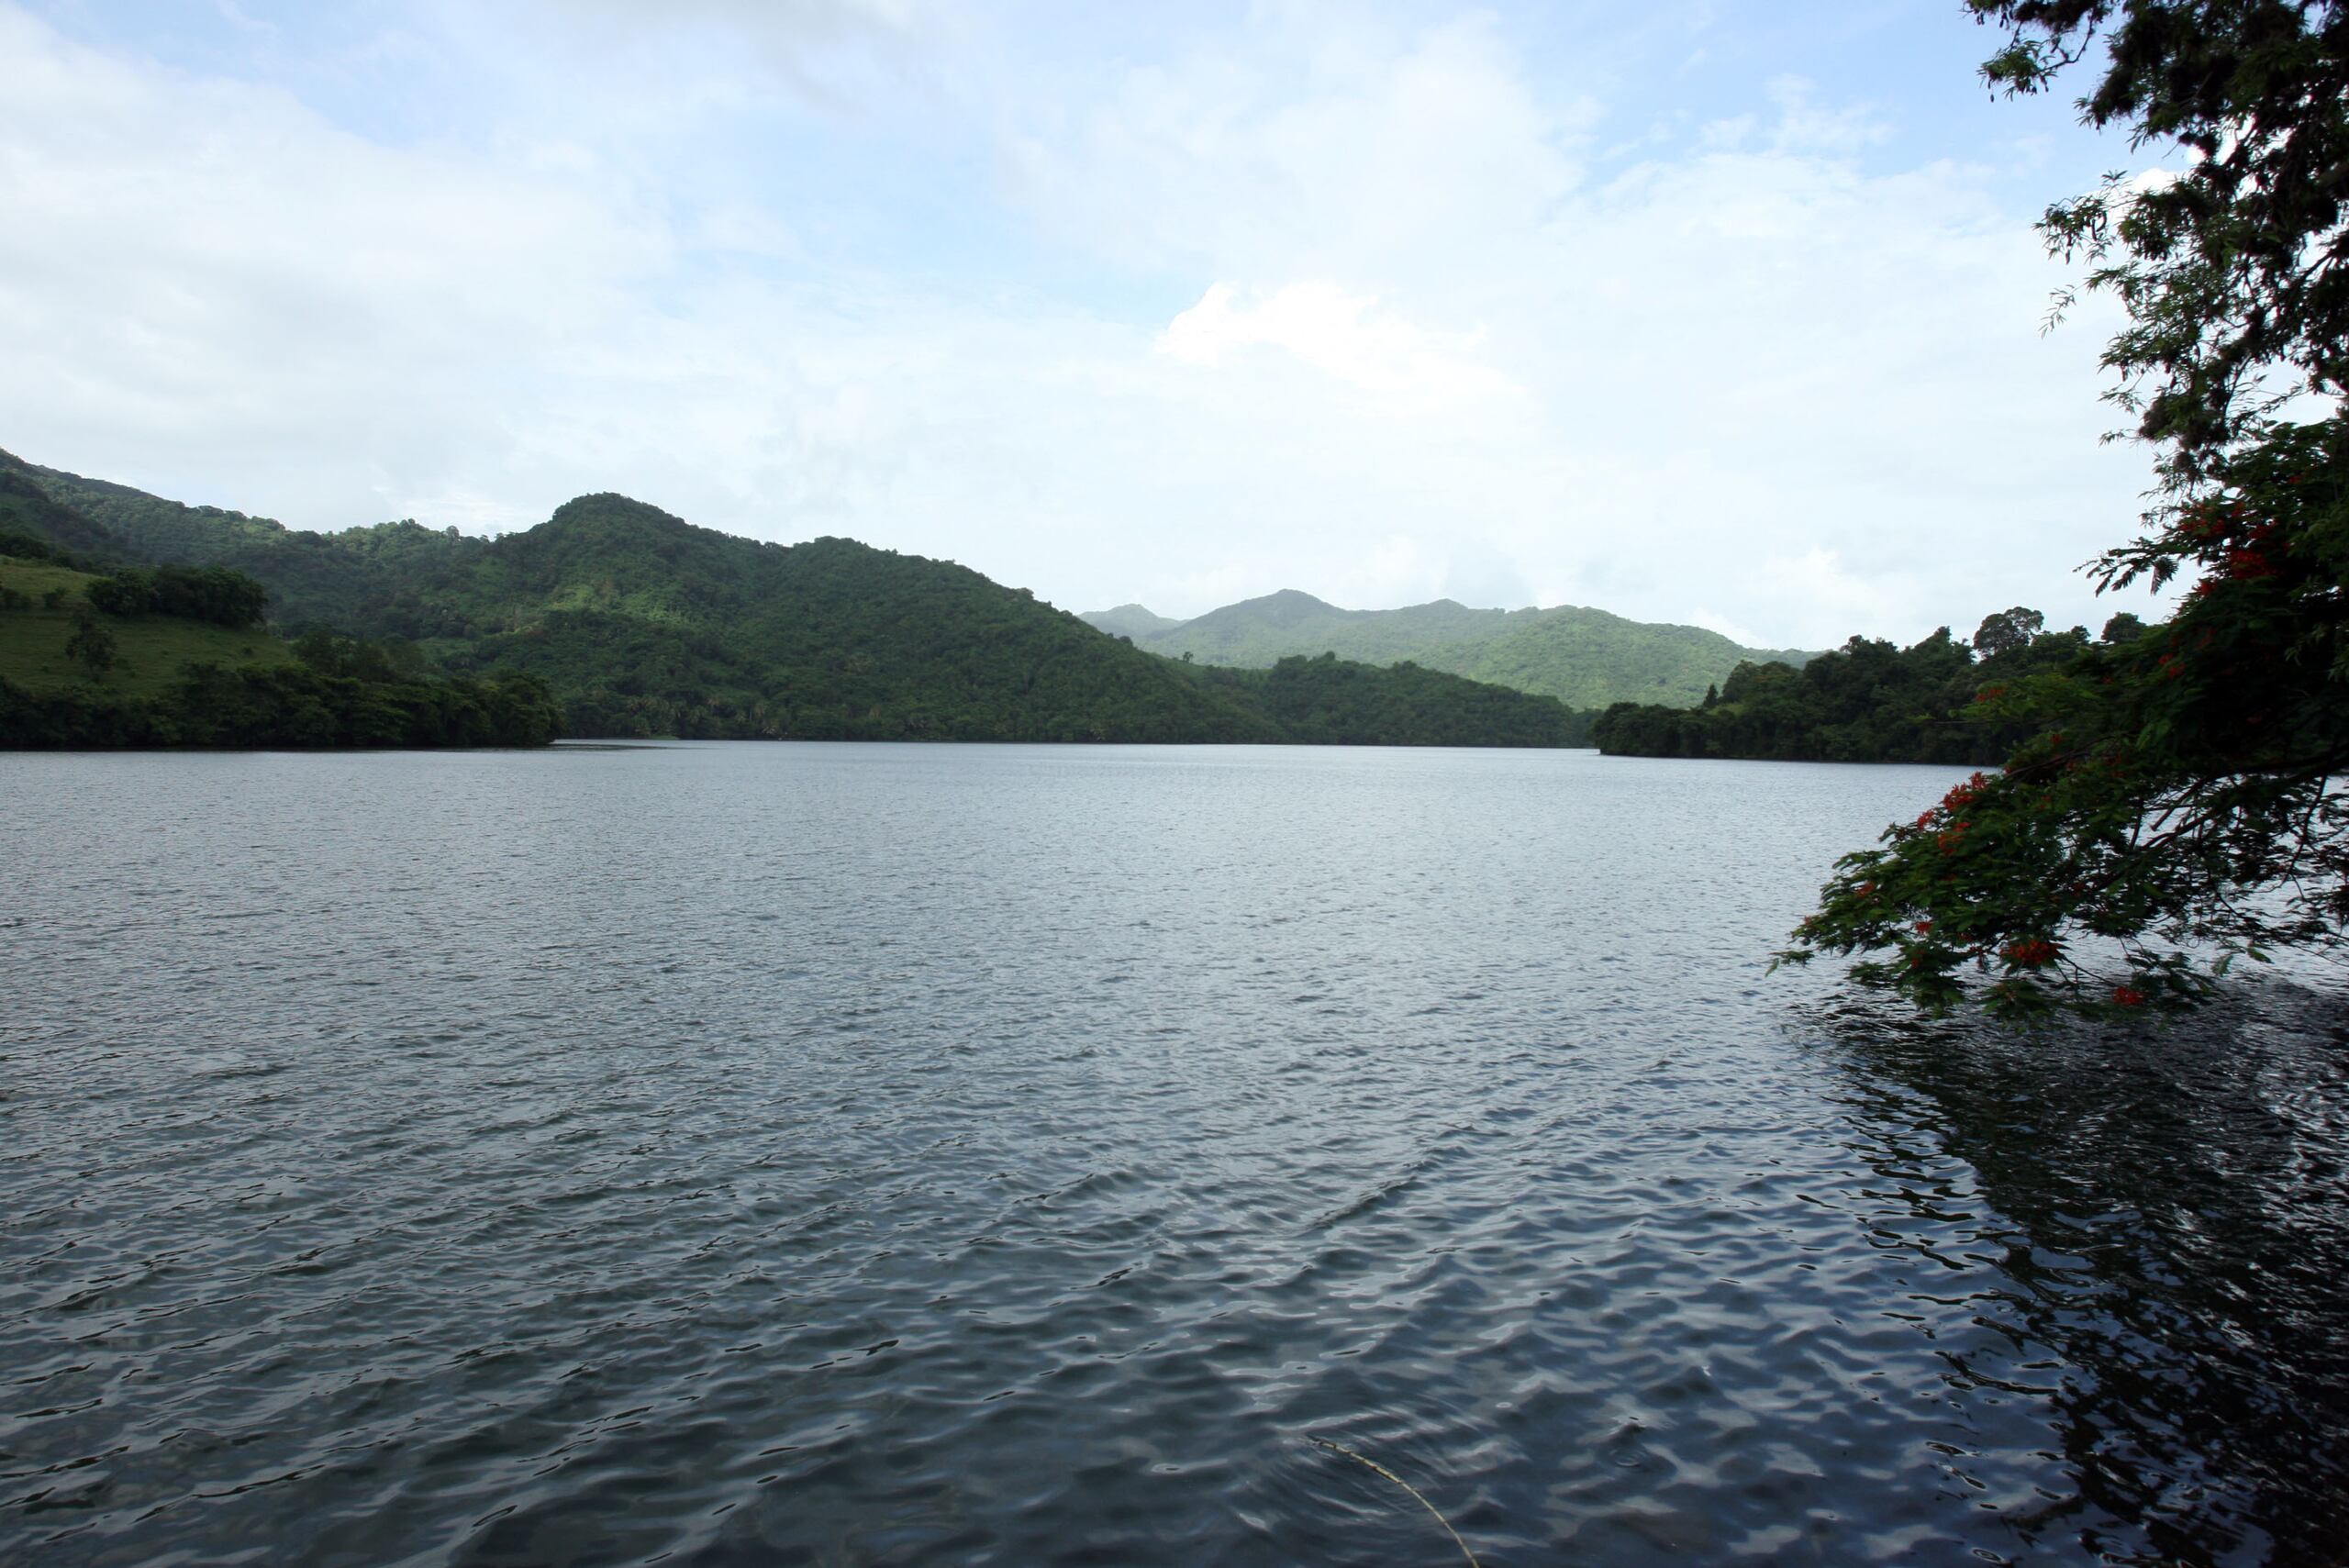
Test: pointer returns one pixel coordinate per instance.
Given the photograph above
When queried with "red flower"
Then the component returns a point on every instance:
(2125, 997)
(2030, 954)
(1962, 794)
(1924, 928)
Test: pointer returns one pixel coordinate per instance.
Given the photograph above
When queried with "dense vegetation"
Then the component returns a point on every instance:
(1866, 702)
(642, 625)
(283, 708)
(1585, 658)
(211, 594)
(647, 626)
(2176, 803)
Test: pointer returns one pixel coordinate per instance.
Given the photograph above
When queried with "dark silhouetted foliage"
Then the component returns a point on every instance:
(287, 708)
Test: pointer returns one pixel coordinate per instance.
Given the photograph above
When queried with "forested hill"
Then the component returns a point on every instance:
(1867, 701)
(647, 624)
(642, 624)
(1585, 658)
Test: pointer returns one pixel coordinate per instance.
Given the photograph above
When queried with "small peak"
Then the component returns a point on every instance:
(1288, 606)
(609, 504)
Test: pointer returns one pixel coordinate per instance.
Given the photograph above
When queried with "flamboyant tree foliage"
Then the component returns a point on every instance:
(2176, 806)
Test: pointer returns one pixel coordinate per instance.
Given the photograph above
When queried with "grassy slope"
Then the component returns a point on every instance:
(1585, 658)
(150, 651)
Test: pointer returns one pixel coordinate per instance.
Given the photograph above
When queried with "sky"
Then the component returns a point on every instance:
(1720, 312)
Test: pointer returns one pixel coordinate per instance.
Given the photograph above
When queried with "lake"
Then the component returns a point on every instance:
(718, 1154)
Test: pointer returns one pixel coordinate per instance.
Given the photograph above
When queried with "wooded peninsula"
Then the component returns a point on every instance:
(1870, 701)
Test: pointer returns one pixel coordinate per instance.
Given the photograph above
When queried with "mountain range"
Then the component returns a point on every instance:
(640, 623)
(1587, 658)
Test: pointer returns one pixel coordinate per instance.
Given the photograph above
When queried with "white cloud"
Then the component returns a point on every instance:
(1734, 630)
(1345, 337)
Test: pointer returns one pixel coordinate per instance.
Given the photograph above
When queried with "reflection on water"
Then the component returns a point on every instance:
(2168, 1218)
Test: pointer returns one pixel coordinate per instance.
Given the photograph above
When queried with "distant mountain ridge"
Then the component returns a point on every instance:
(1585, 658)
(1130, 620)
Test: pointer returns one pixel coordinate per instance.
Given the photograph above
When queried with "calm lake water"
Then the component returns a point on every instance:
(829, 1154)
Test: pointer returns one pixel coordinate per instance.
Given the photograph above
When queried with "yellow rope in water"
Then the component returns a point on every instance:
(1414, 1491)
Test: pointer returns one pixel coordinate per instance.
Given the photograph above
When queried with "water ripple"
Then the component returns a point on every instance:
(723, 1155)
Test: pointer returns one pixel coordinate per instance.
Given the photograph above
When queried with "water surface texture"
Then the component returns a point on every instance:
(806, 1154)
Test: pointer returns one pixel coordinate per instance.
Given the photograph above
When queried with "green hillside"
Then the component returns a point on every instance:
(1585, 658)
(648, 624)
(642, 624)
(1589, 658)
